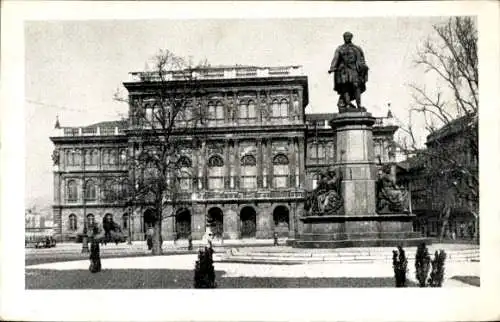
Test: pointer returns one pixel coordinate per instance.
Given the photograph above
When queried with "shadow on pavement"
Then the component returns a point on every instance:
(471, 280)
(181, 279)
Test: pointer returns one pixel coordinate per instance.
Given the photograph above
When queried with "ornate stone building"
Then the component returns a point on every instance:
(253, 160)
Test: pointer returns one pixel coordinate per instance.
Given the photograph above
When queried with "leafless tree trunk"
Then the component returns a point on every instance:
(450, 112)
(164, 111)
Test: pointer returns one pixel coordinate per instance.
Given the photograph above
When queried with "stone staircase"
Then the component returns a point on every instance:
(278, 255)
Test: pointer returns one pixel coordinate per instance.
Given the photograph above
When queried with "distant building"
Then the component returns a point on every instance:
(37, 225)
(257, 155)
(437, 182)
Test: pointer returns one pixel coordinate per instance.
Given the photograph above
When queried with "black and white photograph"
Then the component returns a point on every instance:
(324, 153)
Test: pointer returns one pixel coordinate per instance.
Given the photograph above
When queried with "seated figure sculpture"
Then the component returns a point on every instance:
(326, 198)
(390, 197)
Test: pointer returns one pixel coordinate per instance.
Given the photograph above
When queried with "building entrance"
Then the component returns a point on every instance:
(248, 222)
(281, 218)
(215, 221)
(183, 223)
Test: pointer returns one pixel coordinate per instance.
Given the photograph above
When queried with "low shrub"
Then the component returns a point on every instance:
(204, 272)
(422, 264)
(400, 266)
(437, 274)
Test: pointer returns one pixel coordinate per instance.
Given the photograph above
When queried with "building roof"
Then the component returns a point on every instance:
(318, 116)
(122, 124)
(455, 126)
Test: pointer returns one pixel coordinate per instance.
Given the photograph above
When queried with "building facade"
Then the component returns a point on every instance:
(252, 160)
(438, 170)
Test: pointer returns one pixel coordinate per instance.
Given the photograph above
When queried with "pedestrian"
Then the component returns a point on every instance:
(190, 242)
(149, 238)
(95, 257)
(275, 237)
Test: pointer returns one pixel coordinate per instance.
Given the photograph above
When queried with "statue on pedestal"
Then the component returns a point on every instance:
(390, 197)
(350, 75)
(326, 198)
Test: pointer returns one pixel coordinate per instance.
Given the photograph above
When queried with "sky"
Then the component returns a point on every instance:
(73, 68)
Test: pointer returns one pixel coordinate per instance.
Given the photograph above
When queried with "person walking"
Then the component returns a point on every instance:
(95, 256)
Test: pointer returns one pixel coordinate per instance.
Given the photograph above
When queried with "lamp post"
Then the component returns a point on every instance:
(85, 246)
(129, 228)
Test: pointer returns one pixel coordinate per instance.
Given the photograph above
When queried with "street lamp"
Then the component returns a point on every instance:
(85, 246)
(129, 228)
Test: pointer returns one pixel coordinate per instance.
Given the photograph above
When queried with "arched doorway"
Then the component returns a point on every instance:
(215, 220)
(148, 220)
(183, 223)
(248, 222)
(281, 219)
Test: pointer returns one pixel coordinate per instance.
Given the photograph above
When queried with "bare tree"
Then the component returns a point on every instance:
(450, 114)
(165, 108)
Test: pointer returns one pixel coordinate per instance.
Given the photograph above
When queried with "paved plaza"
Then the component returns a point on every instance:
(134, 270)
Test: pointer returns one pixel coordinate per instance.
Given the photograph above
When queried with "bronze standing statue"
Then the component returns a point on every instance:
(350, 74)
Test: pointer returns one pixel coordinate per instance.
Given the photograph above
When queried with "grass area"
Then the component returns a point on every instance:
(179, 279)
(471, 280)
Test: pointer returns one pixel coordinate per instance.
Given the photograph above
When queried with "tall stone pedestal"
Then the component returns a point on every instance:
(357, 224)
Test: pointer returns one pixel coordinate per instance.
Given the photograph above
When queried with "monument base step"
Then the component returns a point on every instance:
(382, 242)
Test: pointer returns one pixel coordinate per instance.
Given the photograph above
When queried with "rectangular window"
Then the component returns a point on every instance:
(185, 183)
(248, 182)
(280, 176)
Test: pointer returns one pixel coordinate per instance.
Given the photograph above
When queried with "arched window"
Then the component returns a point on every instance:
(125, 221)
(247, 113)
(158, 117)
(185, 173)
(113, 157)
(248, 172)
(275, 107)
(280, 171)
(219, 113)
(88, 157)
(72, 224)
(279, 109)
(284, 108)
(77, 157)
(90, 220)
(215, 173)
(108, 193)
(251, 110)
(211, 114)
(95, 157)
(149, 114)
(90, 190)
(73, 157)
(123, 156)
(317, 152)
(72, 191)
(315, 178)
(105, 156)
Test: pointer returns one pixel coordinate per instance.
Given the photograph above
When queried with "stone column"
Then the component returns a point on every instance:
(237, 175)
(302, 167)
(259, 163)
(291, 164)
(296, 160)
(202, 169)
(269, 162)
(196, 166)
(265, 163)
(356, 159)
(231, 218)
(136, 222)
(227, 165)
(198, 221)
(232, 167)
(257, 109)
(292, 215)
